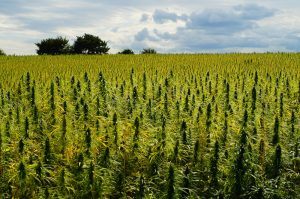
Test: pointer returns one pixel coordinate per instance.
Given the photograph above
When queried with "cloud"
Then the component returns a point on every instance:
(215, 22)
(229, 21)
(164, 35)
(292, 43)
(237, 28)
(168, 26)
(161, 16)
(253, 11)
(144, 35)
(144, 18)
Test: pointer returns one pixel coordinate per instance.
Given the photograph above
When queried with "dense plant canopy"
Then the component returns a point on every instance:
(159, 126)
(90, 44)
(52, 46)
(148, 51)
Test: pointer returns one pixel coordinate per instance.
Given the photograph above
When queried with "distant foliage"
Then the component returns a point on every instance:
(86, 44)
(53, 46)
(126, 52)
(148, 51)
(90, 44)
(2, 52)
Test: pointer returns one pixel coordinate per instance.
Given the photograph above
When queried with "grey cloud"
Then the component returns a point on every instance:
(254, 12)
(211, 29)
(215, 22)
(138, 45)
(11, 7)
(144, 18)
(194, 41)
(50, 15)
(292, 43)
(161, 16)
(165, 35)
(227, 22)
(261, 40)
(144, 35)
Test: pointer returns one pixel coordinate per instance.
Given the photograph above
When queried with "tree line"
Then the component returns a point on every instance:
(86, 44)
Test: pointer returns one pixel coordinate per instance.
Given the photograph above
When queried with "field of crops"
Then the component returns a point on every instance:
(150, 126)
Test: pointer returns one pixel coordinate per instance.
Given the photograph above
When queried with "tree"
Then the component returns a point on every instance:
(126, 51)
(148, 51)
(90, 44)
(2, 52)
(53, 46)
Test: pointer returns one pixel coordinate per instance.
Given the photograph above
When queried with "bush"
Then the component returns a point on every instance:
(53, 46)
(126, 52)
(90, 44)
(148, 51)
(2, 52)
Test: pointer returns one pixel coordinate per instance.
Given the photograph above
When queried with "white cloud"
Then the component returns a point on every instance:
(242, 28)
(8, 23)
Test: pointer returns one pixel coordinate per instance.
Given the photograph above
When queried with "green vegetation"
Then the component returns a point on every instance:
(54, 46)
(90, 44)
(2, 52)
(150, 126)
(126, 52)
(86, 44)
(148, 51)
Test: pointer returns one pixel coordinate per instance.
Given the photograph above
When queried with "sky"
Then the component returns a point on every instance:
(169, 26)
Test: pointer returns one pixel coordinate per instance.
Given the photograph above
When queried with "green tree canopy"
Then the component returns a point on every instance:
(90, 44)
(126, 51)
(148, 51)
(53, 46)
